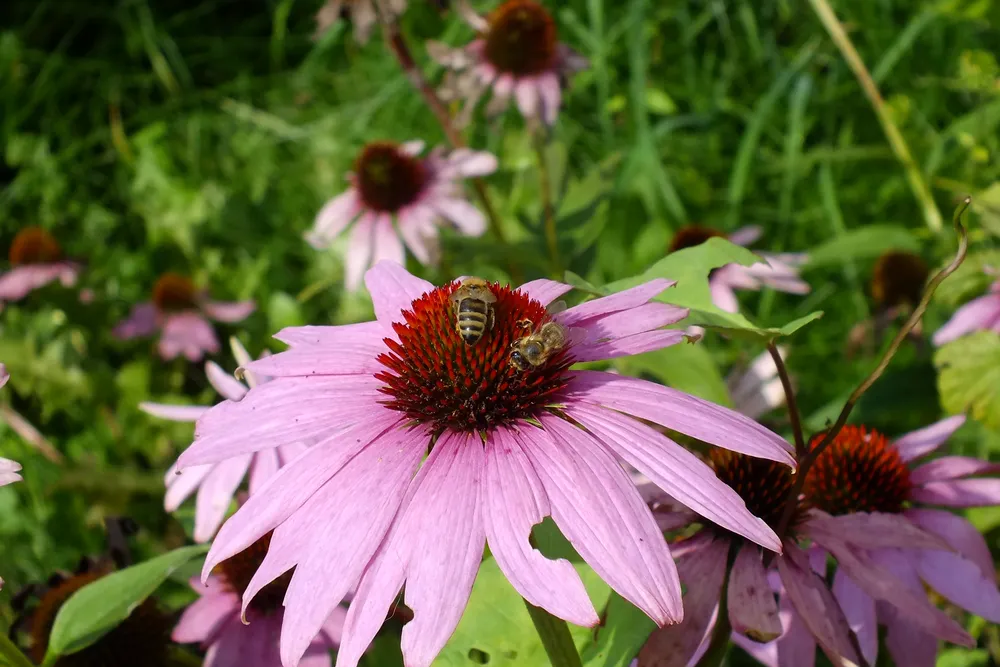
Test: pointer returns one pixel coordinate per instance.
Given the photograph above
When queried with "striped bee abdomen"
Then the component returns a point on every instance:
(472, 320)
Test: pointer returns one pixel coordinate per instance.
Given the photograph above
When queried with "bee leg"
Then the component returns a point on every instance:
(526, 324)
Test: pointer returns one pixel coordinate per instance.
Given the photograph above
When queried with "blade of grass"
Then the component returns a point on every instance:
(903, 43)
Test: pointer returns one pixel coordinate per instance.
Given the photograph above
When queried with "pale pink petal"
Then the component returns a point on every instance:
(951, 467)
(628, 346)
(4, 375)
(8, 472)
(388, 246)
(469, 163)
(203, 617)
(641, 319)
(815, 604)
(180, 485)
(859, 609)
(610, 526)
(908, 644)
(745, 236)
(360, 246)
(613, 303)
(959, 493)
(960, 580)
(334, 218)
(701, 570)
(333, 627)
(757, 390)
(503, 87)
(264, 466)
(680, 412)
(393, 290)
(544, 291)
(752, 609)
(242, 646)
(550, 96)
(723, 295)
(960, 534)
(514, 501)
(796, 647)
(981, 313)
(413, 148)
(216, 494)
(22, 280)
(677, 471)
(335, 336)
(338, 533)
(177, 413)
(918, 443)
(142, 321)
(224, 383)
(189, 334)
(293, 485)
(417, 230)
(345, 359)
(875, 530)
(526, 92)
(229, 311)
(467, 218)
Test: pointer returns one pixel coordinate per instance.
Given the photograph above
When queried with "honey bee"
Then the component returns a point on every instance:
(473, 313)
(535, 349)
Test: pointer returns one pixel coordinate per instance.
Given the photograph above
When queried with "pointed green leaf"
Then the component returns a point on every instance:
(969, 376)
(621, 635)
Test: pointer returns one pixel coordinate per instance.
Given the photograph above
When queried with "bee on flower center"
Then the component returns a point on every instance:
(535, 349)
(473, 310)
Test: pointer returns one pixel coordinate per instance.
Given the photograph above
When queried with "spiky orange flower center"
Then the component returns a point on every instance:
(691, 236)
(142, 638)
(174, 292)
(521, 39)
(34, 245)
(387, 177)
(860, 471)
(434, 377)
(898, 279)
(237, 571)
(763, 485)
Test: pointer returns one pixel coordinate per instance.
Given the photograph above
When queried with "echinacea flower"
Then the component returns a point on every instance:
(363, 508)
(250, 639)
(363, 15)
(397, 197)
(217, 483)
(517, 53)
(180, 312)
(779, 271)
(980, 313)
(36, 260)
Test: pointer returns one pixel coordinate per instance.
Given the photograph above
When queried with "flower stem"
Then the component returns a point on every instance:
(548, 210)
(11, 654)
(932, 216)
(793, 407)
(555, 637)
(806, 462)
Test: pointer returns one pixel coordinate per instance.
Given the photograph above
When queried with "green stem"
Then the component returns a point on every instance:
(920, 190)
(555, 637)
(11, 654)
(548, 210)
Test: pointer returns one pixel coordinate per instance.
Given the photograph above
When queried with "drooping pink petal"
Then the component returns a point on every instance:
(388, 245)
(180, 485)
(960, 580)
(393, 289)
(336, 534)
(908, 644)
(264, 465)
(189, 334)
(224, 383)
(765, 654)
(980, 492)
(610, 526)
(723, 295)
(416, 228)
(203, 617)
(859, 609)
(549, 96)
(229, 311)
(466, 217)
(869, 530)
(544, 291)
(242, 646)
(613, 303)
(177, 413)
(293, 485)
(960, 534)
(514, 501)
(8, 472)
(757, 389)
(527, 97)
(951, 467)
(215, 495)
(981, 313)
(744, 236)
(334, 218)
(677, 471)
(4, 375)
(701, 570)
(360, 244)
(815, 604)
(465, 163)
(142, 321)
(679, 411)
(918, 443)
(752, 609)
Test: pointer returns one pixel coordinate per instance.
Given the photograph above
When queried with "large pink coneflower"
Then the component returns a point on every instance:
(36, 260)
(980, 313)
(779, 271)
(248, 637)
(217, 483)
(397, 197)
(364, 507)
(517, 54)
(181, 313)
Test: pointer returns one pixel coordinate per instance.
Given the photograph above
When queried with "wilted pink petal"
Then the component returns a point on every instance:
(752, 609)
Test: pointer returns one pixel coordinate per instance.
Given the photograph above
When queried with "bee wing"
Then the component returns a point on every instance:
(557, 307)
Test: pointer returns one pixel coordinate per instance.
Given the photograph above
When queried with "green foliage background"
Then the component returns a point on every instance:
(155, 135)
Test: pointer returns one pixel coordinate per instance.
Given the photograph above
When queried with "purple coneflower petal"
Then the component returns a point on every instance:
(610, 526)
(961, 581)
(177, 413)
(959, 493)
(346, 358)
(677, 471)
(647, 341)
(766, 654)
(417, 229)
(360, 245)
(744, 236)
(959, 533)
(514, 500)
(859, 609)
(527, 97)
(645, 318)
(702, 569)
(371, 333)
(4, 375)
(815, 604)
(393, 290)
(413, 148)
(202, 619)
(796, 647)
(334, 218)
(465, 216)
(909, 645)
(466, 163)
(549, 96)
(265, 464)
(189, 334)
(605, 305)
(869, 530)
(951, 467)
(723, 295)
(224, 383)
(216, 493)
(752, 609)
(981, 313)
(544, 291)
(22, 280)
(229, 311)
(180, 485)
(8, 472)
(388, 246)
(142, 321)
(681, 412)
(921, 442)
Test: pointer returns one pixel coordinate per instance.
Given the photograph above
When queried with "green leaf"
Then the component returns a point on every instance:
(687, 367)
(862, 243)
(969, 280)
(621, 635)
(969, 376)
(10, 654)
(98, 607)
(963, 657)
(690, 268)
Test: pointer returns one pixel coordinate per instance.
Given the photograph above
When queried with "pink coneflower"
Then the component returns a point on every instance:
(506, 448)
(217, 483)
(215, 622)
(391, 184)
(180, 312)
(980, 313)
(780, 272)
(36, 260)
(363, 15)
(517, 53)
